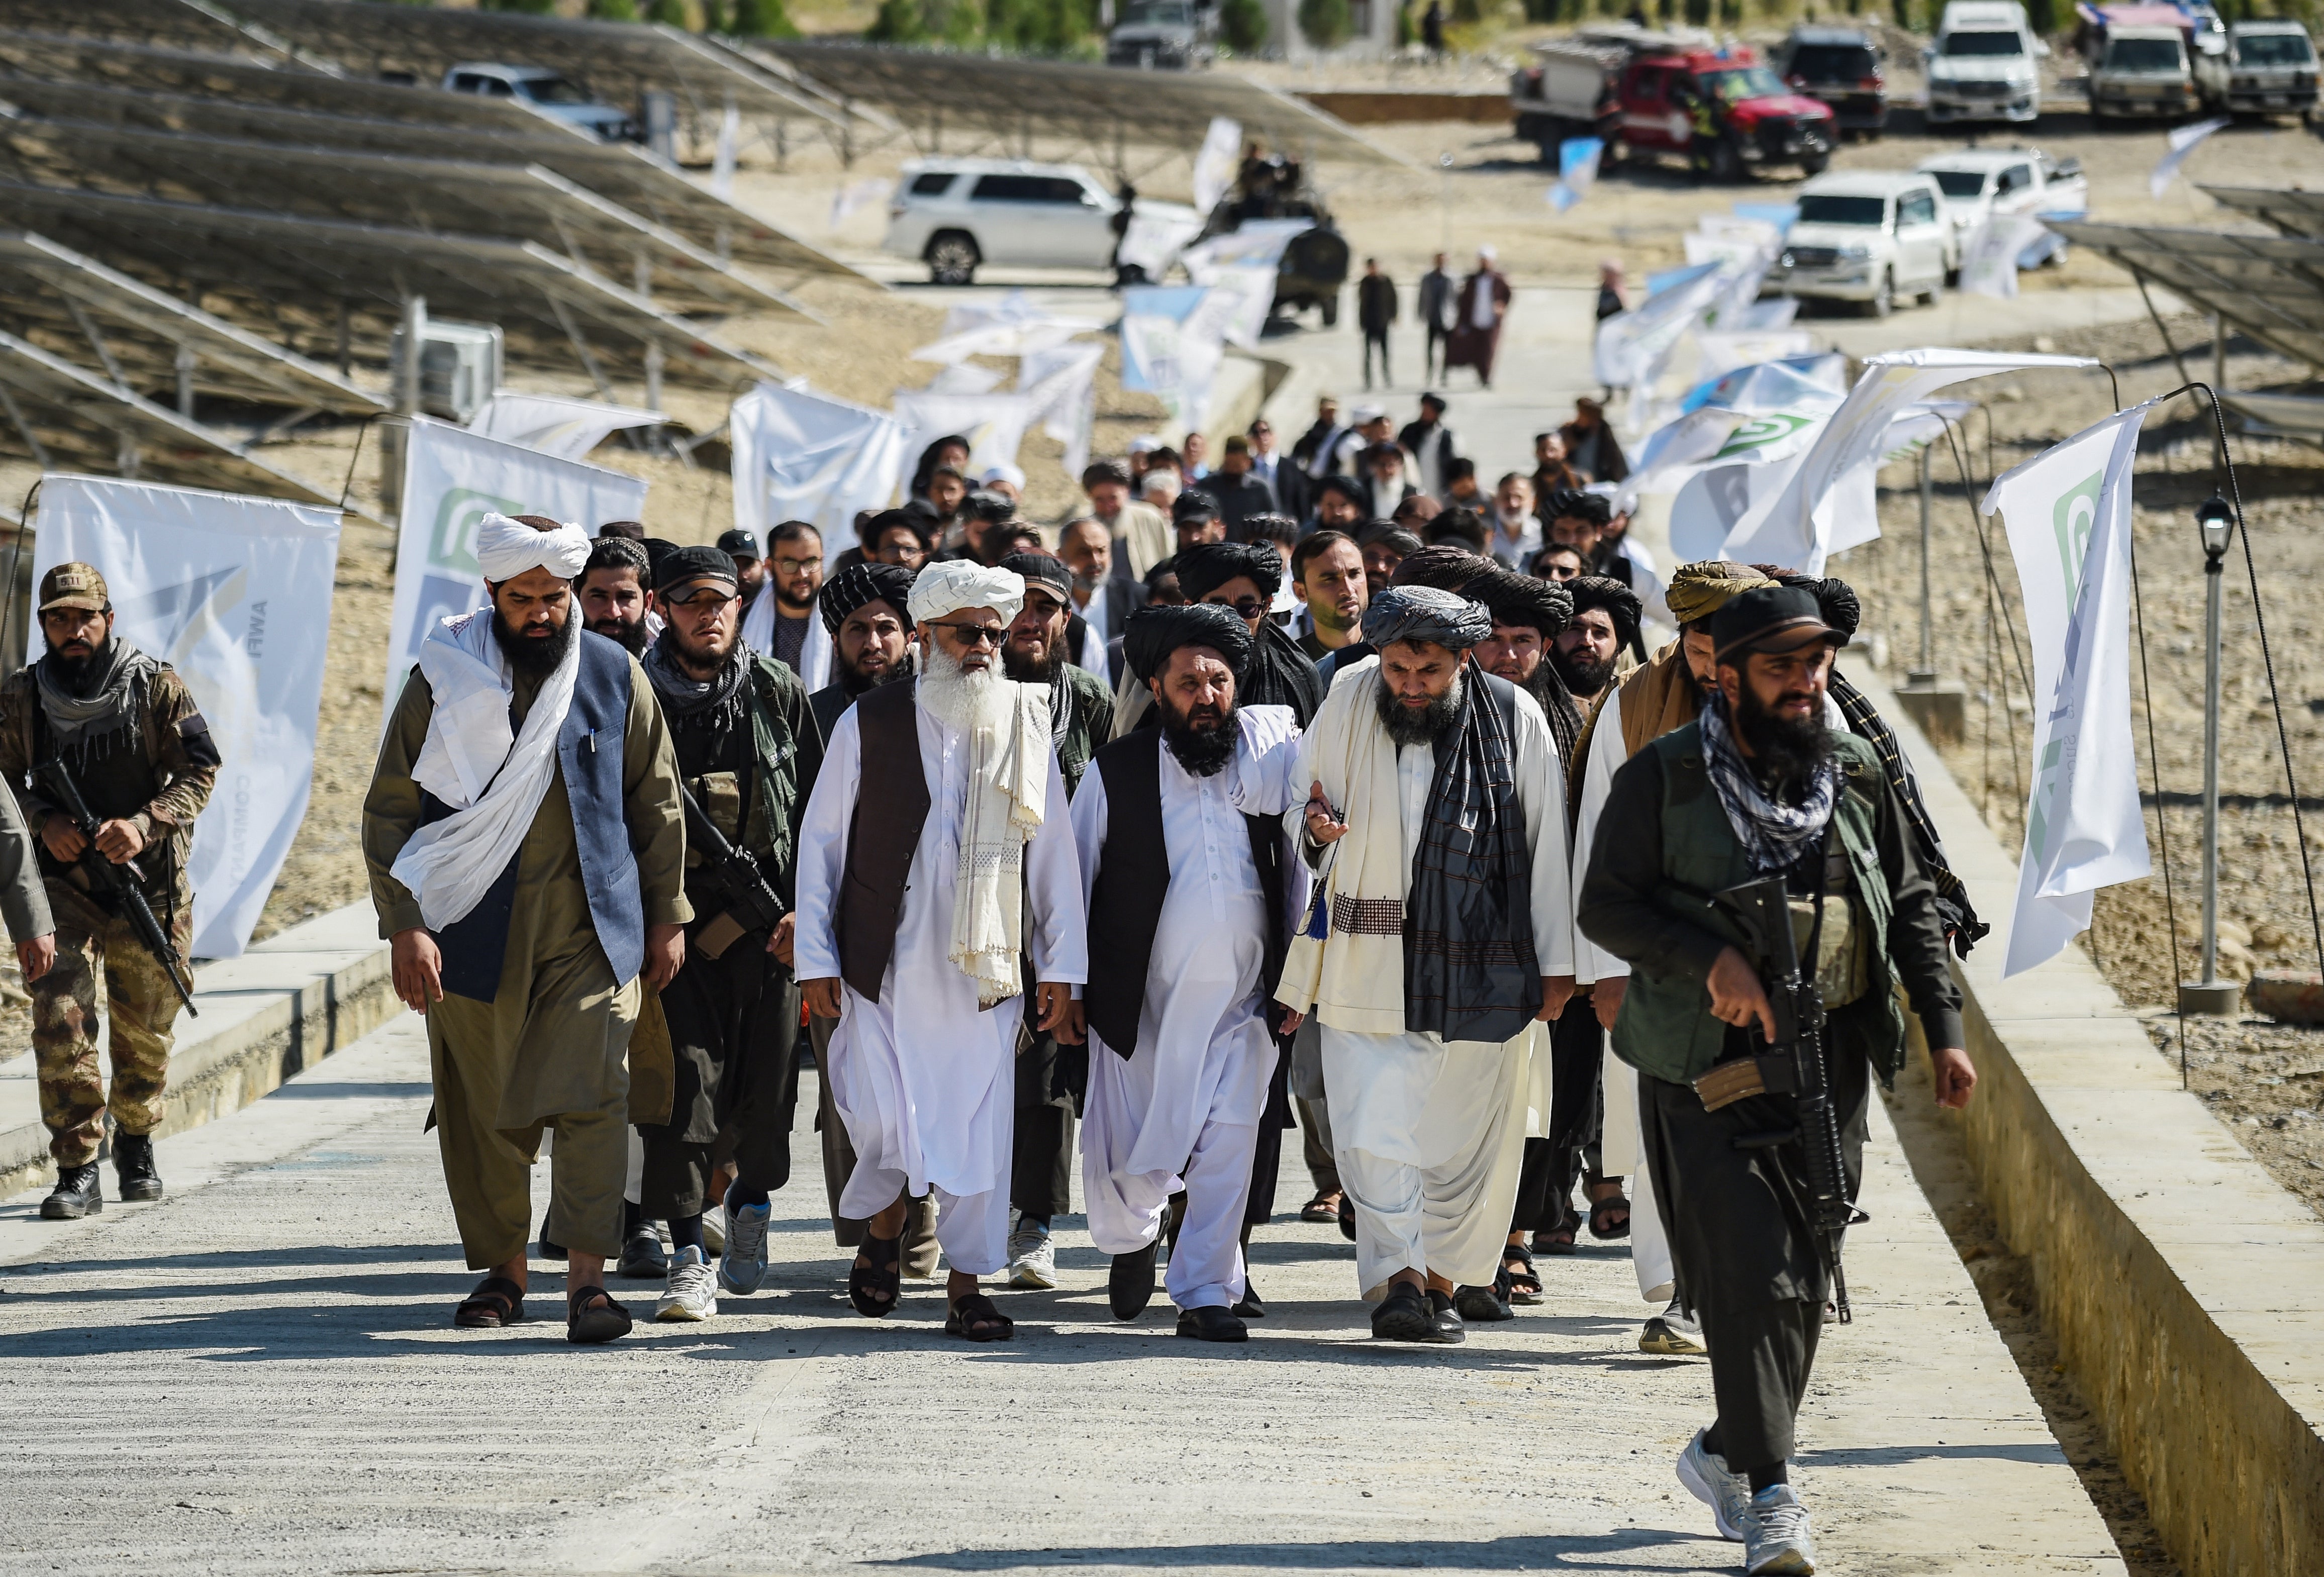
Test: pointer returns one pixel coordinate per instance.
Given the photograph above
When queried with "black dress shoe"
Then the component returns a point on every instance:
(1346, 1218)
(1129, 1284)
(643, 1256)
(1481, 1304)
(1249, 1308)
(75, 1195)
(133, 1161)
(1445, 1321)
(1211, 1323)
(1403, 1316)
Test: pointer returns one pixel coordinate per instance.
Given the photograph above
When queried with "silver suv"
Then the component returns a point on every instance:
(958, 214)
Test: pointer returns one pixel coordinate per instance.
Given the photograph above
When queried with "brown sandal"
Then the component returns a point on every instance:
(977, 1318)
(497, 1302)
(592, 1316)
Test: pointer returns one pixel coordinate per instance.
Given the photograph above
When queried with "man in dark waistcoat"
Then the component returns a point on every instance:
(1761, 787)
(525, 840)
(1183, 849)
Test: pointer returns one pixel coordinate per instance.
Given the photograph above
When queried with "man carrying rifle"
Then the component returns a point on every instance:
(97, 719)
(1732, 1067)
(747, 751)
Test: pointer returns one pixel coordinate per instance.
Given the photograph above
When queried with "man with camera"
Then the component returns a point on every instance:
(1752, 1079)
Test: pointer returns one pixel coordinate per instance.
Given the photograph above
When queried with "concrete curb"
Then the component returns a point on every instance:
(2184, 1288)
(289, 1001)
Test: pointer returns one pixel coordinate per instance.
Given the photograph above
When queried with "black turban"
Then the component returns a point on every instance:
(1042, 569)
(1611, 597)
(1423, 612)
(1150, 634)
(1572, 502)
(1521, 599)
(1202, 570)
(1441, 566)
(868, 581)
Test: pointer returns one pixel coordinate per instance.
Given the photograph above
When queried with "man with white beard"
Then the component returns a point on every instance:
(939, 811)
(1181, 839)
(1436, 814)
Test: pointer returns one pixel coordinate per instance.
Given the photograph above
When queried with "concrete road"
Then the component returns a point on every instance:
(259, 1375)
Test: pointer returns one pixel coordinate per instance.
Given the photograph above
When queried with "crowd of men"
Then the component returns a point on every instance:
(1321, 791)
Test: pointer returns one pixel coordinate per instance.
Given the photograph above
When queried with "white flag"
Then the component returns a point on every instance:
(1631, 345)
(452, 479)
(2067, 512)
(1828, 504)
(2184, 141)
(993, 424)
(1994, 251)
(553, 424)
(1216, 165)
(234, 593)
(801, 456)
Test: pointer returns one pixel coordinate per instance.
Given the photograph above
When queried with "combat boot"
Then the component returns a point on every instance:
(75, 1195)
(133, 1158)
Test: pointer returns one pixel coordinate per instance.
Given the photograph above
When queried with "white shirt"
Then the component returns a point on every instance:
(1518, 547)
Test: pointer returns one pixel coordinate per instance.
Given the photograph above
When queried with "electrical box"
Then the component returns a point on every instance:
(459, 367)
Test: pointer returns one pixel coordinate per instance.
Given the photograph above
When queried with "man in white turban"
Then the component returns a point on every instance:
(934, 857)
(526, 842)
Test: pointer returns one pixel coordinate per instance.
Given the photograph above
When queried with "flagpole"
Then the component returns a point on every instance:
(2210, 995)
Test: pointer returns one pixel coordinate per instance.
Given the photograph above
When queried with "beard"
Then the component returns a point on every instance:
(535, 657)
(964, 701)
(1583, 678)
(1026, 670)
(629, 634)
(855, 681)
(76, 672)
(1418, 725)
(1786, 752)
(1202, 739)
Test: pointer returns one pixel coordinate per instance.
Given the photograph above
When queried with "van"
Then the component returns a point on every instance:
(1984, 64)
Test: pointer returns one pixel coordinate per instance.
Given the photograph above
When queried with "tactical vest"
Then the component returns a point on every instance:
(1665, 1027)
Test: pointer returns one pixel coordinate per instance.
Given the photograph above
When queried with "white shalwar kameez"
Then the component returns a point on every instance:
(925, 1083)
(1183, 1111)
(1429, 1134)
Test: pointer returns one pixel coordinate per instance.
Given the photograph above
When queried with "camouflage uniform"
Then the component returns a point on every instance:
(157, 777)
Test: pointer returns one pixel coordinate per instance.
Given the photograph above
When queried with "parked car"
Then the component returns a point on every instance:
(1867, 236)
(958, 214)
(2142, 67)
(1646, 94)
(1978, 182)
(2268, 68)
(1839, 67)
(1171, 34)
(545, 91)
(1984, 64)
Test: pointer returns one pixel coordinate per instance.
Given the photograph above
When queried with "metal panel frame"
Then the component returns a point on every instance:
(2271, 286)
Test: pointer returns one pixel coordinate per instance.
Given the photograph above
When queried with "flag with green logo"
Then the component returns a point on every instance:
(2068, 514)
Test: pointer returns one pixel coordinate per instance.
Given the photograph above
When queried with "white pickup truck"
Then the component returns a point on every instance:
(1980, 182)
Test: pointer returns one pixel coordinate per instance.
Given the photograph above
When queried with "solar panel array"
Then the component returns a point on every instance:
(2270, 287)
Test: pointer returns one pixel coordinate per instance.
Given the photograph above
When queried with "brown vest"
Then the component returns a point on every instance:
(891, 805)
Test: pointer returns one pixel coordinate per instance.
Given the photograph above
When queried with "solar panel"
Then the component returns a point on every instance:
(149, 341)
(305, 283)
(638, 181)
(1011, 101)
(2271, 286)
(62, 417)
(2292, 213)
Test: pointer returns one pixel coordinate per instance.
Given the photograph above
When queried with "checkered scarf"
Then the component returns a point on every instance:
(1774, 835)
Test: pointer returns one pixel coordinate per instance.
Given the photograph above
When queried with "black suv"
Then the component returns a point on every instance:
(1841, 67)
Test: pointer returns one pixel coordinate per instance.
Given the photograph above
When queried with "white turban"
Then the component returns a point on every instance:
(950, 584)
(506, 549)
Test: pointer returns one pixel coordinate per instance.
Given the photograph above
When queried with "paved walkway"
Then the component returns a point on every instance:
(259, 1375)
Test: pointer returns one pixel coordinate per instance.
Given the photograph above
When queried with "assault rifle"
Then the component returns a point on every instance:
(1794, 1066)
(122, 886)
(752, 902)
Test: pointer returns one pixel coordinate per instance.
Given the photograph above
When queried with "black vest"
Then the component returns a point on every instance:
(1133, 877)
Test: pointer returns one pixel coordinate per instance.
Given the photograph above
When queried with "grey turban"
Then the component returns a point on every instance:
(1422, 613)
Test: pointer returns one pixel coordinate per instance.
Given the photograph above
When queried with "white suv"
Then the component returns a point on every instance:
(1984, 64)
(1867, 236)
(956, 215)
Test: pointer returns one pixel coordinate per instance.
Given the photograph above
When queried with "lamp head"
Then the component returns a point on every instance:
(2216, 523)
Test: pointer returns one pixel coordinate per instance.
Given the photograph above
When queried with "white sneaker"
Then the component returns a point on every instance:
(1672, 1333)
(714, 1229)
(743, 1263)
(1710, 1480)
(1776, 1539)
(1032, 1257)
(693, 1291)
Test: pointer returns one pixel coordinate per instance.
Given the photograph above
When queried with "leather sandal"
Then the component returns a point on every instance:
(497, 1302)
(977, 1318)
(592, 1317)
(1601, 1209)
(1524, 1281)
(884, 1274)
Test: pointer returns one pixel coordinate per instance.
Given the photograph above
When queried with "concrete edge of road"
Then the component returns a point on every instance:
(2184, 1288)
(284, 1005)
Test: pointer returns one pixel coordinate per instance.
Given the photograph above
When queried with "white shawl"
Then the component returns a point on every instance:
(1007, 784)
(493, 776)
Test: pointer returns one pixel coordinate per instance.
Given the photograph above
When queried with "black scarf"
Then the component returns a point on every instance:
(1470, 972)
(712, 707)
(1279, 674)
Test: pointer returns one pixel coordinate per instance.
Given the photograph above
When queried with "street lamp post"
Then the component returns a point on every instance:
(2216, 524)
(1925, 675)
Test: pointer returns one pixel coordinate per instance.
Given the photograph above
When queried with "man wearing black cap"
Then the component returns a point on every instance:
(1761, 787)
(749, 564)
(747, 750)
(1182, 843)
(1195, 520)
(1039, 650)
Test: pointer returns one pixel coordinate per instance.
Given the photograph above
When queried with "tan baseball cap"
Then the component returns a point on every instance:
(74, 585)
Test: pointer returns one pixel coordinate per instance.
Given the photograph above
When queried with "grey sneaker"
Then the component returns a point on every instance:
(714, 1229)
(692, 1293)
(743, 1263)
(1776, 1538)
(1672, 1333)
(1708, 1479)
(1032, 1257)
